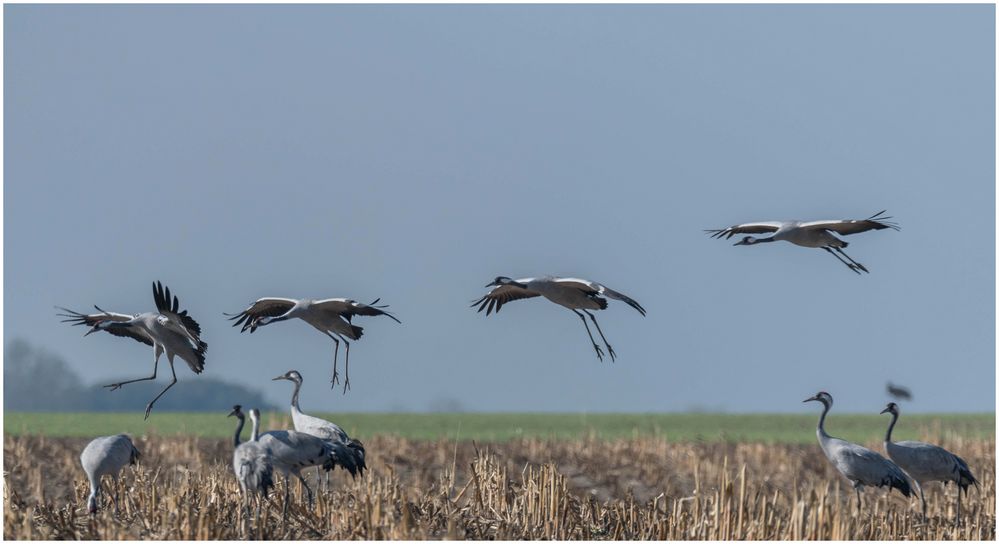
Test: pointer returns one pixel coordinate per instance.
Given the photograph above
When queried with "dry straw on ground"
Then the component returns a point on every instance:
(527, 489)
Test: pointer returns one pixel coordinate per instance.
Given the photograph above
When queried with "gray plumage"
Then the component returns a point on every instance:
(331, 317)
(251, 461)
(813, 234)
(106, 455)
(859, 465)
(578, 295)
(926, 463)
(291, 451)
(348, 453)
(168, 330)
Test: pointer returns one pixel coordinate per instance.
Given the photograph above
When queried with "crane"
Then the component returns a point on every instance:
(348, 452)
(291, 451)
(252, 463)
(813, 234)
(168, 330)
(927, 463)
(106, 455)
(331, 316)
(858, 464)
(578, 295)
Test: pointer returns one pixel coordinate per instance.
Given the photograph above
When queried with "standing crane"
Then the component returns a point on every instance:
(927, 463)
(579, 296)
(858, 464)
(251, 461)
(167, 330)
(106, 455)
(814, 234)
(253, 465)
(331, 316)
(290, 451)
(348, 452)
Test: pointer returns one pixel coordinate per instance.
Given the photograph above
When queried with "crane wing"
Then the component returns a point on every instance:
(500, 295)
(77, 318)
(610, 293)
(592, 287)
(171, 308)
(745, 228)
(852, 226)
(347, 308)
(264, 307)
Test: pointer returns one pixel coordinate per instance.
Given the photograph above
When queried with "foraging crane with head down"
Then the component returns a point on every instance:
(331, 316)
(578, 295)
(106, 455)
(168, 330)
(858, 464)
(926, 463)
(813, 234)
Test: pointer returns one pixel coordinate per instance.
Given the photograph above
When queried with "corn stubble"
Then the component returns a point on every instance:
(523, 489)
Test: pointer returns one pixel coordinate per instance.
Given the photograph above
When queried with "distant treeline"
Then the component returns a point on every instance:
(35, 380)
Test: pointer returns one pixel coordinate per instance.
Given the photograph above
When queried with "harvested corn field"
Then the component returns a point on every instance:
(643, 488)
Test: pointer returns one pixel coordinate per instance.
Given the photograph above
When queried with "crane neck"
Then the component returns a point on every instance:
(820, 429)
(294, 397)
(891, 426)
(239, 430)
(255, 430)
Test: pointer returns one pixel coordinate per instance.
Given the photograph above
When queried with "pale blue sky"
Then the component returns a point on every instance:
(414, 153)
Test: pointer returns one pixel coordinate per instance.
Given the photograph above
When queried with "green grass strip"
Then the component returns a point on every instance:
(771, 428)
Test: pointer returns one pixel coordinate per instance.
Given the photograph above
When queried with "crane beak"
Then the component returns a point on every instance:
(810, 399)
(281, 377)
(885, 411)
(93, 329)
(491, 284)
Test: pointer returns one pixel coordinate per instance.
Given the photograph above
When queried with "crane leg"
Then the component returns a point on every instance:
(287, 497)
(246, 516)
(346, 368)
(308, 490)
(840, 259)
(156, 362)
(336, 349)
(600, 352)
(610, 350)
(260, 501)
(957, 522)
(855, 263)
(149, 406)
(922, 501)
(857, 489)
(114, 482)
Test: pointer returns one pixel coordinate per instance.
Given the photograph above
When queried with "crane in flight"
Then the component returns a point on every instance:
(168, 330)
(813, 234)
(331, 316)
(578, 295)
